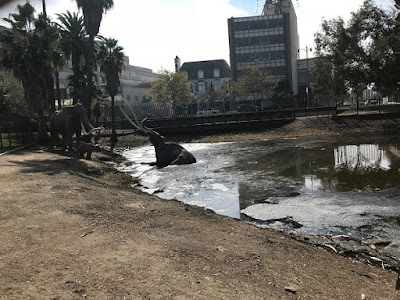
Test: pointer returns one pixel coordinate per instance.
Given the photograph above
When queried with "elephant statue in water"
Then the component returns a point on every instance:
(167, 153)
(68, 121)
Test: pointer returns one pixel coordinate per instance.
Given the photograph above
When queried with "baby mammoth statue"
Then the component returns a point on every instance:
(84, 148)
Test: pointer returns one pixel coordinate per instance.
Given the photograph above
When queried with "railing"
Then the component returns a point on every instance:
(218, 120)
(15, 132)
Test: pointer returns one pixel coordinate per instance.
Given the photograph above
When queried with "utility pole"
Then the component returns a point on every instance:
(307, 76)
(44, 8)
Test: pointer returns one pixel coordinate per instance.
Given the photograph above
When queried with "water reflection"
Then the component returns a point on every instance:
(321, 187)
(362, 156)
(361, 167)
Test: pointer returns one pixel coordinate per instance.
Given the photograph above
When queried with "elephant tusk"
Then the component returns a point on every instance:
(83, 128)
(97, 130)
(140, 128)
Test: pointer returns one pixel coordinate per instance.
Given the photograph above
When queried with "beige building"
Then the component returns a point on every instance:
(135, 81)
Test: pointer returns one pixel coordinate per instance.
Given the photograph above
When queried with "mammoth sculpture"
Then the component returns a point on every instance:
(68, 121)
(167, 153)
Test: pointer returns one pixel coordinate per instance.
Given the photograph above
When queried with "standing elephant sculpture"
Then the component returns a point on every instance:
(167, 153)
(68, 121)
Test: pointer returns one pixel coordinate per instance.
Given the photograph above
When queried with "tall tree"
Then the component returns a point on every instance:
(111, 60)
(28, 49)
(93, 11)
(255, 81)
(74, 40)
(12, 101)
(170, 88)
(350, 48)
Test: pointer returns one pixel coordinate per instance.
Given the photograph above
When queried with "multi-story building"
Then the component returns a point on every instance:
(305, 77)
(209, 76)
(135, 81)
(268, 40)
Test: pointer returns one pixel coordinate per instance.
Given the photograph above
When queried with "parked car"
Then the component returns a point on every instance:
(208, 111)
(248, 107)
(372, 102)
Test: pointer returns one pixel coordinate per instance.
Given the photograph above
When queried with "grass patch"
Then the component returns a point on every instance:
(14, 140)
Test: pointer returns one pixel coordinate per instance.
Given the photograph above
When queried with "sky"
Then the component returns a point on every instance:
(153, 32)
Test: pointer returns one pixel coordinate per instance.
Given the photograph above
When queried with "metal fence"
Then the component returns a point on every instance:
(15, 132)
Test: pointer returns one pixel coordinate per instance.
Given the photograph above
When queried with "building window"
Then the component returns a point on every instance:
(217, 73)
(200, 74)
(202, 87)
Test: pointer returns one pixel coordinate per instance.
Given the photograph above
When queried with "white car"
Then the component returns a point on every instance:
(208, 111)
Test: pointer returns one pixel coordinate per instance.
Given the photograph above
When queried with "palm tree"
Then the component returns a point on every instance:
(74, 43)
(111, 60)
(29, 50)
(93, 11)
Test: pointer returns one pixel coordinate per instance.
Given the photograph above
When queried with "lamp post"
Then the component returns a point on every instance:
(308, 76)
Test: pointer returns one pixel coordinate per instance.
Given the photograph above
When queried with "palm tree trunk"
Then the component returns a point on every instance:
(42, 138)
(44, 7)
(57, 76)
(114, 137)
(90, 72)
(112, 113)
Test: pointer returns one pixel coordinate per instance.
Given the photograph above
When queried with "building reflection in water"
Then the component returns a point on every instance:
(361, 156)
(359, 167)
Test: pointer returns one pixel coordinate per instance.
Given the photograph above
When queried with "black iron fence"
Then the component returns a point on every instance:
(15, 132)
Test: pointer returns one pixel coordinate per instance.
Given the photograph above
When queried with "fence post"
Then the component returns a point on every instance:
(1, 140)
(16, 131)
(9, 134)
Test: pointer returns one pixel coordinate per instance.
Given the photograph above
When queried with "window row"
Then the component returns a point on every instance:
(280, 72)
(207, 86)
(260, 56)
(259, 40)
(200, 74)
(261, 24)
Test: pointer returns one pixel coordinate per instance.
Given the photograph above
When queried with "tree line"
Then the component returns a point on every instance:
(35, 48)
(363, 52)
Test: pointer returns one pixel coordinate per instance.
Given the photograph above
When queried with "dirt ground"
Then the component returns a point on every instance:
(73, 229)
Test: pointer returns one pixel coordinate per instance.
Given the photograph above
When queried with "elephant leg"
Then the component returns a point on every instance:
(64, 143)
(52, 140)
(69, 143)
(90, 148)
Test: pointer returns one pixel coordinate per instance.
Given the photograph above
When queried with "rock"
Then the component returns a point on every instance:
(293, 194)
(394, 244)
(291, 289)
(221, 249)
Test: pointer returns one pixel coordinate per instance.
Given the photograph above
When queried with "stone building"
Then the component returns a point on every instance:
(208, 77)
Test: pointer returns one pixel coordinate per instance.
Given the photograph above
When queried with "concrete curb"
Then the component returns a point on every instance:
(16, 149)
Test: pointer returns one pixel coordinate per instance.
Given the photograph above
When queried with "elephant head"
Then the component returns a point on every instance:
(85, 124)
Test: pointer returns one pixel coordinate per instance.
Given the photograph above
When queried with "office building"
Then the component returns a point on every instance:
(268, 40)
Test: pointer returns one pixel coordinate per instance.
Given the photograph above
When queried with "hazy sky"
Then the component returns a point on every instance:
(153, 32)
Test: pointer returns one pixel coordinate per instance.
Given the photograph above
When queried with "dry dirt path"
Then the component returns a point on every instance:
(74, 229)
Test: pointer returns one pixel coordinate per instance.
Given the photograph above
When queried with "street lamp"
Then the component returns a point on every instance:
(308, 77)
